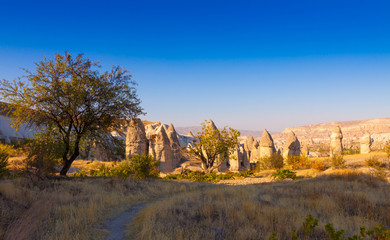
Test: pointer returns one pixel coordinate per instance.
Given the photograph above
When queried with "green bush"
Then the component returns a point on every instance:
(298, 161)
(79, 174)
(373, 162)
(208, 177)
(281, 174)
(379, 232)
(350, 151)
(387, 150)
(4, 155)
(337, 162)
(273, 162)
(44, 152)
(141, 167)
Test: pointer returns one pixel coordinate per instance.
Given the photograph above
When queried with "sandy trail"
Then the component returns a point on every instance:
(117, 224)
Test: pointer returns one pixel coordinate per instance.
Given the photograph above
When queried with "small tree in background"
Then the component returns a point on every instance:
(215, 144)
(71, 97)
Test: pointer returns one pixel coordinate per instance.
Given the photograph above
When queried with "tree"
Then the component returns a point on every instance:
(70, 96)
(214, 144)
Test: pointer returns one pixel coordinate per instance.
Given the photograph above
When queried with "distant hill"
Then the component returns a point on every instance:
(351, 129)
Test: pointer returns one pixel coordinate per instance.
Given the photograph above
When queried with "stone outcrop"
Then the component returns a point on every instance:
(267, 147)
(211, 125)
(160, 149)
(175, 146)
(336, 142)
(239, 159)
(190, 134)
(365, 144)
(136, 141)
(249, 143)
(255, 153)
(292, 146)
(305, 150)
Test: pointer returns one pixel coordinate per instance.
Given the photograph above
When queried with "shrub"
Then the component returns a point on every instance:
(379, 232)
(4, 155)
(373, 162)
(45, 152)
(101, 171)
(141, 166)
(283, 174)
(79, 174)
(337, 162)
(318, 165)
(273, 162)
(208, 177)
(350, 151)
(387, 150)
(298, 161)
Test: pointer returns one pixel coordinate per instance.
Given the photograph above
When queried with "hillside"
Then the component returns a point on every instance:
(379, 128)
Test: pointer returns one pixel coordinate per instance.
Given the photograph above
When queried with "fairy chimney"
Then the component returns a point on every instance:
(267, 147)
(365, 144)
(136, 141)
(292, 146)
(336, 142)
(160, 149)
(175, 145)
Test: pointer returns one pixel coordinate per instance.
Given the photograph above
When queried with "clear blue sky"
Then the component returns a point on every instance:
(246, 64)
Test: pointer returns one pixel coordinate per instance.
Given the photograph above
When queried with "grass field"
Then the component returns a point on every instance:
(348, 200)
(75, 208)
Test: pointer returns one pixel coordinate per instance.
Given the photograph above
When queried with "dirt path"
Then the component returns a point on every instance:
(117, 224)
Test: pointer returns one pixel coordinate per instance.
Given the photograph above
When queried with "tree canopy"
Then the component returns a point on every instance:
(70, 96)
(214, 145)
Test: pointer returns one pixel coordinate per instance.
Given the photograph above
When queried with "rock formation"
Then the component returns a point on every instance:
(305, 150)
(239, 160)
(136, 141)
(365, 144)
(292, 146)
(190, 134)
(336, 142)
(249, 143)
(267, 148)
(175, 145)
(160, 149)
(255, 153)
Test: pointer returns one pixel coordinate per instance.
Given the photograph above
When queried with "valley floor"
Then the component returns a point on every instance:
(253, 208)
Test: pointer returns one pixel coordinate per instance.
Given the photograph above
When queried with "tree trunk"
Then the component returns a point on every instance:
(68, 163)
(65, 168)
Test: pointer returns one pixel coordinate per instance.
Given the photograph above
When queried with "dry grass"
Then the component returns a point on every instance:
(72, 209)
(347, 199)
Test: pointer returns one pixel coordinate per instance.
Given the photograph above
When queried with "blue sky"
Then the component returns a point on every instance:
(247, 64)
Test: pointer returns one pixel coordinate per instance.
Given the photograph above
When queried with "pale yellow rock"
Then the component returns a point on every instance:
(160, 149)
(136, 141)
(336, 142)
(365, 144)
(292, 146)
(267, 147)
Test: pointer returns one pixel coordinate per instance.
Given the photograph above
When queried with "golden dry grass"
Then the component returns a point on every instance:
(72, 209)
(347, 199)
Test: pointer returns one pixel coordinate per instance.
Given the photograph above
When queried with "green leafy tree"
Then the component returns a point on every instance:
(214, 144)
(69, 95)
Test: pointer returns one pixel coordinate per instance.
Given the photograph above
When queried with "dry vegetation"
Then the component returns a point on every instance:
(349, 200)
(73, 209)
